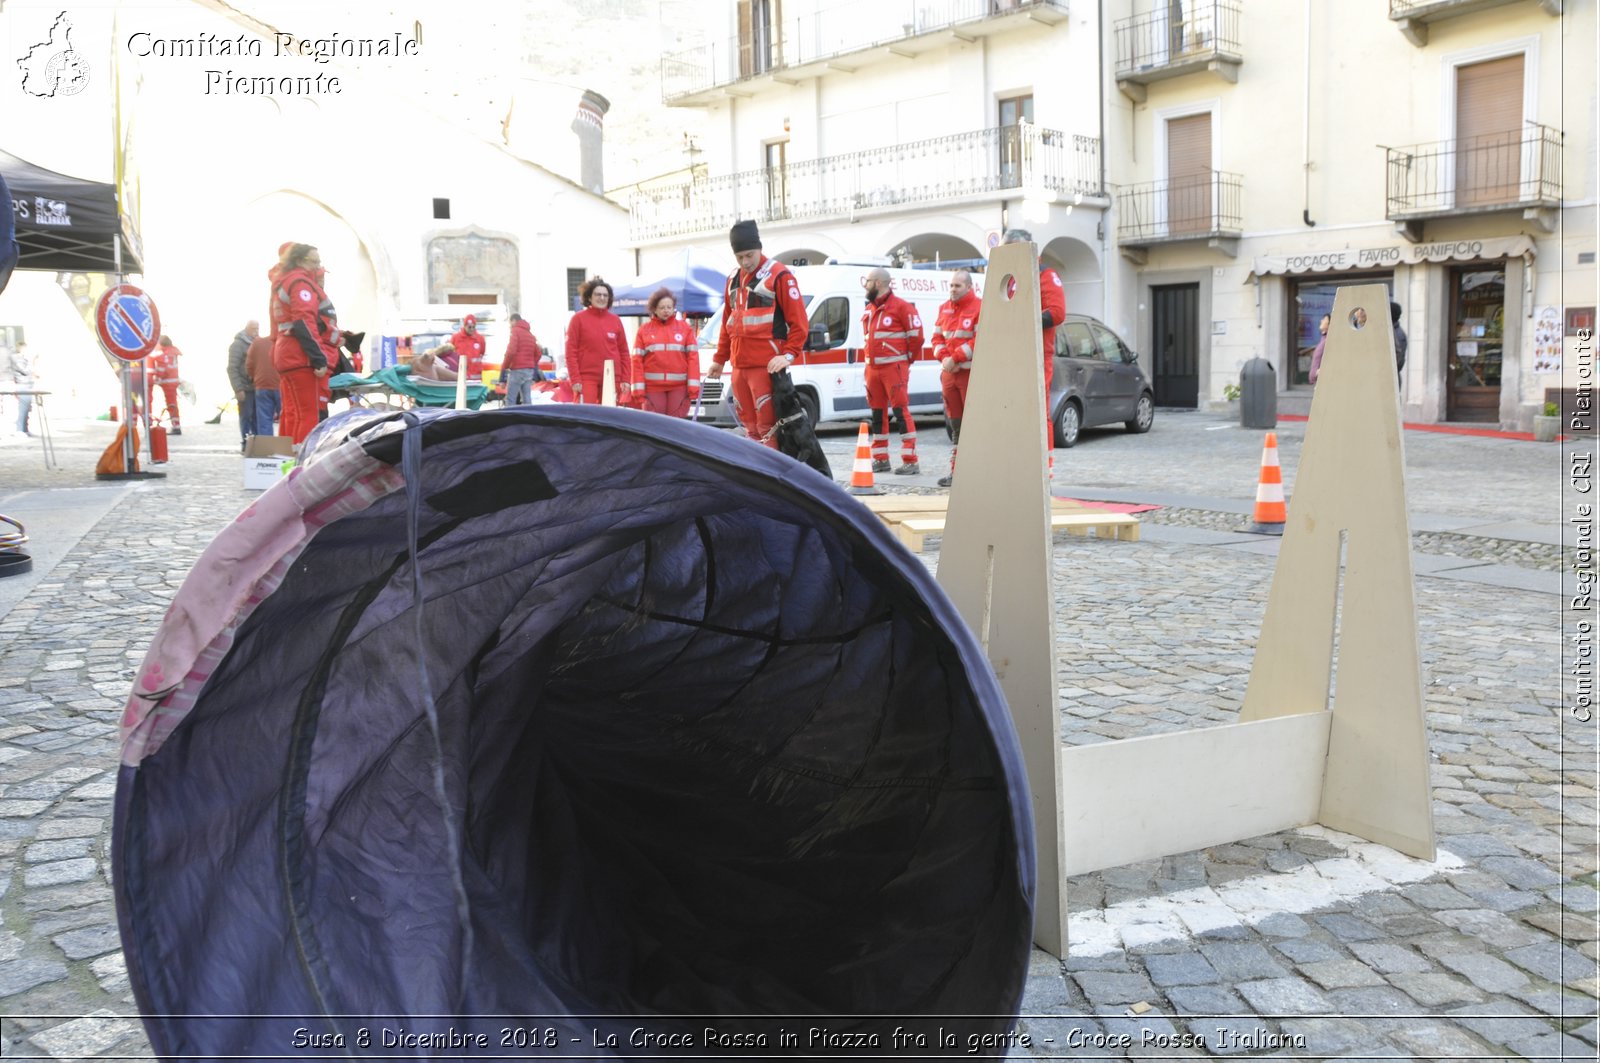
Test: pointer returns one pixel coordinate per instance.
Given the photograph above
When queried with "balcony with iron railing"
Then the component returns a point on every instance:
(1413, 16)
(1205, 206)
(1162, 44)
(1518, 170)
(938, 171)
(842, 38)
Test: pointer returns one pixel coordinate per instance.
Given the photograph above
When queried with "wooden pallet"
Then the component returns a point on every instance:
(914, 517)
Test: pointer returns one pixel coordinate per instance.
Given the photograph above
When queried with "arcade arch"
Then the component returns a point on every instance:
(936, 248)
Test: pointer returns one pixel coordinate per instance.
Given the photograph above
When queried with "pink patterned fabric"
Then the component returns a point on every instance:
(242, 567)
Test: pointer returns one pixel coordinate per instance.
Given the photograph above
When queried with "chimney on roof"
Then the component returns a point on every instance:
(589, 124)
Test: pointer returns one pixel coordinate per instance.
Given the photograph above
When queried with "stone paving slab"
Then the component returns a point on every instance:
(1172, 533)
(1526, 531)
(1266, 546)
(55, 521)
(1520, 579)
(1438, 522)
(1300, 944)
(1435, 564)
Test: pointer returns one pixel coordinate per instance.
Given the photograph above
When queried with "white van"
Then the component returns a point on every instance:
(829, 374)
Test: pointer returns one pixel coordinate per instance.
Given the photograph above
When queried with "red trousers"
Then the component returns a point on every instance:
(954, 387)
(673, 402)
(752, 403)
(299, 390)
(170, 390)
(886, 392)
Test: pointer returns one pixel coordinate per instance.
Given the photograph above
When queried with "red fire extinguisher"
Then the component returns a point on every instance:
(158, 444)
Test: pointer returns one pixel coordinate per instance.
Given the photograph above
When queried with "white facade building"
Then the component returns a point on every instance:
(917, 131)
(1202, 172)
(410, 207)
(1271, 151)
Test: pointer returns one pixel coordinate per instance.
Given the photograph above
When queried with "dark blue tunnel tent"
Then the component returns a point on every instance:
(709, 743)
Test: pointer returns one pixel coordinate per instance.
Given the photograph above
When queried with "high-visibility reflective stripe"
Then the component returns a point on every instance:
(881, 360)
(966, 335)
(667, 376)
(757, 319)
(683, 347)
(892, 335)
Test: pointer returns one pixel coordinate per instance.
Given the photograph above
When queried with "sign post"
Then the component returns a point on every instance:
(129, 326)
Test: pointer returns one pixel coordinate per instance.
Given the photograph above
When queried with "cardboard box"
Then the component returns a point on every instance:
(266, 460)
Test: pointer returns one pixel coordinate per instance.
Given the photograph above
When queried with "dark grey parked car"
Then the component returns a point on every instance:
(1096, 381)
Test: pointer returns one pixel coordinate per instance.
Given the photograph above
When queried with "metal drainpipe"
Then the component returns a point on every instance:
(1305, 215)
(1105, 235)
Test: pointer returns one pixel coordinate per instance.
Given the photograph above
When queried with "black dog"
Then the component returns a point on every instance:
(796, 437)
(351, 342)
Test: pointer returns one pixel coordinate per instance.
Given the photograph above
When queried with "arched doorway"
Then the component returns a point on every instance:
(802, 256)
(940, 249)
(1079, 267)
(265, 222)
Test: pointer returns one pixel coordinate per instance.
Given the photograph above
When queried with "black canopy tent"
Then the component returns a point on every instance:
(70, 225)
(65, 223)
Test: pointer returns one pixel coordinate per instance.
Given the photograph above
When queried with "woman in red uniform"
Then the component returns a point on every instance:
(595, 337)
(304, 344)
(666, 358)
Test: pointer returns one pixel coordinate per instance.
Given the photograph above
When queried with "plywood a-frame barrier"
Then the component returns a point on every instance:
(995, 561)
(1361, 767)
(1351, 485)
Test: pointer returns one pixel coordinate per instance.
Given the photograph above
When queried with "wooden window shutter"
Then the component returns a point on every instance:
(746, 40)
(1488, 131)
(1189, 200)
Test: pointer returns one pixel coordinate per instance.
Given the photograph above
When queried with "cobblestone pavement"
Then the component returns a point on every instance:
(1304, 943)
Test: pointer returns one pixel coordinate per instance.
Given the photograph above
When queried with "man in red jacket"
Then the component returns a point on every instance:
(955, 331)
(763, 330)
(521, 363)
(162, 372)
(469, 348)
(893, 331)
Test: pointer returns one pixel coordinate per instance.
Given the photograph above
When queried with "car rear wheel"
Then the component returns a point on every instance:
(1068, 423)
(1143, 414)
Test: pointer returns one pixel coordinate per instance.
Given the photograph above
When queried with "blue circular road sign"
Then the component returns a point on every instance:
(128, 322)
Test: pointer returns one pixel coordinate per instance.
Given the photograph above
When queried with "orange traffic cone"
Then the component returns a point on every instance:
(861, 482)
(1271, 510)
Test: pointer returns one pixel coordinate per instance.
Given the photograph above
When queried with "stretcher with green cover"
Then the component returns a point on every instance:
(397, 380)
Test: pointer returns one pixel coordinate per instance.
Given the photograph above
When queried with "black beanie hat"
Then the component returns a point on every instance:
(744, 237)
